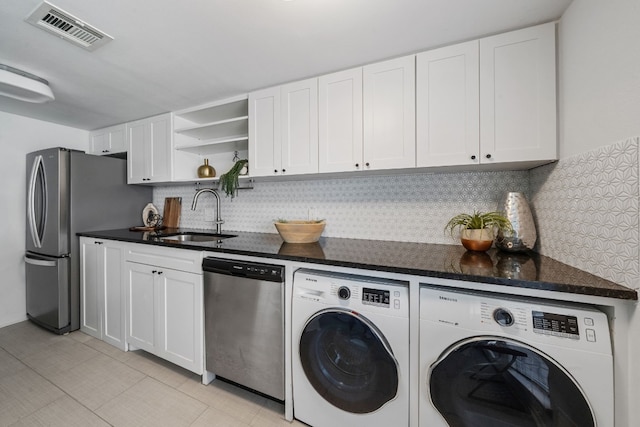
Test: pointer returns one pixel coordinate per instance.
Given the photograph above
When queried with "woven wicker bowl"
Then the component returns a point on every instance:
(300, 231)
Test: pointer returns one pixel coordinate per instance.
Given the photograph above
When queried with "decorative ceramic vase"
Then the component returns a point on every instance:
(206, 171)
(523, 237)
(476, 239)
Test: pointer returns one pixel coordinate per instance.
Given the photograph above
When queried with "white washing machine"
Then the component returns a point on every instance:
(490, 360)
(350, 350)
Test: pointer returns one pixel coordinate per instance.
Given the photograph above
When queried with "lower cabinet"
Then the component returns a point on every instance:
(165, 313)
(102, 290)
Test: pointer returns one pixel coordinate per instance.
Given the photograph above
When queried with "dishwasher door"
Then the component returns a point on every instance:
(244, 323)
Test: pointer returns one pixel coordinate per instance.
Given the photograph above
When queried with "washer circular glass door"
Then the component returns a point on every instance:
(490, 381)
(348, 361)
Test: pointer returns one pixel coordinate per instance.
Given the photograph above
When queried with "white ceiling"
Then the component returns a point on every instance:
(168, 55)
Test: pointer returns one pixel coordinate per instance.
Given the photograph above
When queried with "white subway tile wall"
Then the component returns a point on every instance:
(406, 208)
(586, 210)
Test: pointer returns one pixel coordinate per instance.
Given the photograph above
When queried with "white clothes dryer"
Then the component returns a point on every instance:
(490, 360)
(350, 350)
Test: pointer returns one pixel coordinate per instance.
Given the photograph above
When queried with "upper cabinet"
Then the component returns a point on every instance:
(283, 129)
(150, 150)
(389, 114)
(489, 101)
(215, 131)
(448, 110)
(109, 140)
(340, 121)
(518, 96)
(367, 117)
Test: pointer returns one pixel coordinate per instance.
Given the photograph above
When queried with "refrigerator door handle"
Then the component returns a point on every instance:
(36, 169)
(40, 262)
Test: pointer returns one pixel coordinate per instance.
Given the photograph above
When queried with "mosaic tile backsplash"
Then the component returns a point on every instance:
(586, 211)
(586, 207)
(406, 208)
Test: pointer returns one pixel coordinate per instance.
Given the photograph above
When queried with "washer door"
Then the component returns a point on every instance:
(497, 382)
(347, 361)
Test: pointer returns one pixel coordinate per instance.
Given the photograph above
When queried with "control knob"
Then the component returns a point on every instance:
(503, 317)
(344, 292)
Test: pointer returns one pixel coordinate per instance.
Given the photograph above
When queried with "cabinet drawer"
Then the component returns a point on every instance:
(176, 259)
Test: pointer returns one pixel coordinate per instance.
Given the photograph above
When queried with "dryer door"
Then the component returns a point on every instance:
(348, 361)
(497, 382)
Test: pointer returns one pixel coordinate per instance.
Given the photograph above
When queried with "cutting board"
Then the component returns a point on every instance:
(171, 216)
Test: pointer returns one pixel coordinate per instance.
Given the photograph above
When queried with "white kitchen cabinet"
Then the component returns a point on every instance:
(488, 101)
(448, 106)
(102, 290)
(109, 140)
(283, 129)
(389, 114)
(340, 121)
(165, 306)
(150, 157)
(367, 117)
(518, 96)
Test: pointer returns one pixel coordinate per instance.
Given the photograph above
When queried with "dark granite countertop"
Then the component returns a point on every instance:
(529, 270)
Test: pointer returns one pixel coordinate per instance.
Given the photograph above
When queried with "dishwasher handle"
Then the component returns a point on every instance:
(250, 270)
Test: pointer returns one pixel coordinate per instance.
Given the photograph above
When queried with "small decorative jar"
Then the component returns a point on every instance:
(206, 171)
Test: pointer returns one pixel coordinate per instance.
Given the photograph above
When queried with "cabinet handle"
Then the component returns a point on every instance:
(488, 156)
(154, 271)
(159, 273)
(275, 171)
(357, 165)
(98, 243)
(284, 170)
(367, 164)
(473, 157)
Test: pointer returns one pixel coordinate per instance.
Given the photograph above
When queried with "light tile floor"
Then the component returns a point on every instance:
(77, 380)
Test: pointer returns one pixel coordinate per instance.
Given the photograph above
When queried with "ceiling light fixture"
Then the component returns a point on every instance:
(24, 86)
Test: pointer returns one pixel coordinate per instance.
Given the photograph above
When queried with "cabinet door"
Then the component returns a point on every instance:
(141, 306)
(90, 288)
(113, 296)
(180, 318)
(518, 96)
(137, 158)
(389, 114)
(98, 142)
(299, 146)
(448, 97)
(160, 148)
(264, 132)
(117, 139)
(340, 121)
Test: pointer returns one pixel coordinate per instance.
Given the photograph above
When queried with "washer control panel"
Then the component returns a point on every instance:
(379, 297)
(555, 324)
(527, 319)
(358, 293)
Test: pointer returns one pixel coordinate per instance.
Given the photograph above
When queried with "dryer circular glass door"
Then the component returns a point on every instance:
(490, 381)
(348, 361)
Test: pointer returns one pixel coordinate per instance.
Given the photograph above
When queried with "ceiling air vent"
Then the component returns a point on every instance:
(66, 26)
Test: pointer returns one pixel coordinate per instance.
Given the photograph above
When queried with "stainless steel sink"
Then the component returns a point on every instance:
(196, 237)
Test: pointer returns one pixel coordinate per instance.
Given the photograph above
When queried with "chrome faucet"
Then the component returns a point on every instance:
(218, 221)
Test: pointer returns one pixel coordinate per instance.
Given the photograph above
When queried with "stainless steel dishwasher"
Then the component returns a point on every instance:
(244, 323)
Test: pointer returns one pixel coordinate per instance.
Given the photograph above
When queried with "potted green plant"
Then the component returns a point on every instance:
(477, 230)
(229, 180)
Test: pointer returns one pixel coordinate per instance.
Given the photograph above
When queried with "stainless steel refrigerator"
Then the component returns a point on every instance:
(69, 191)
